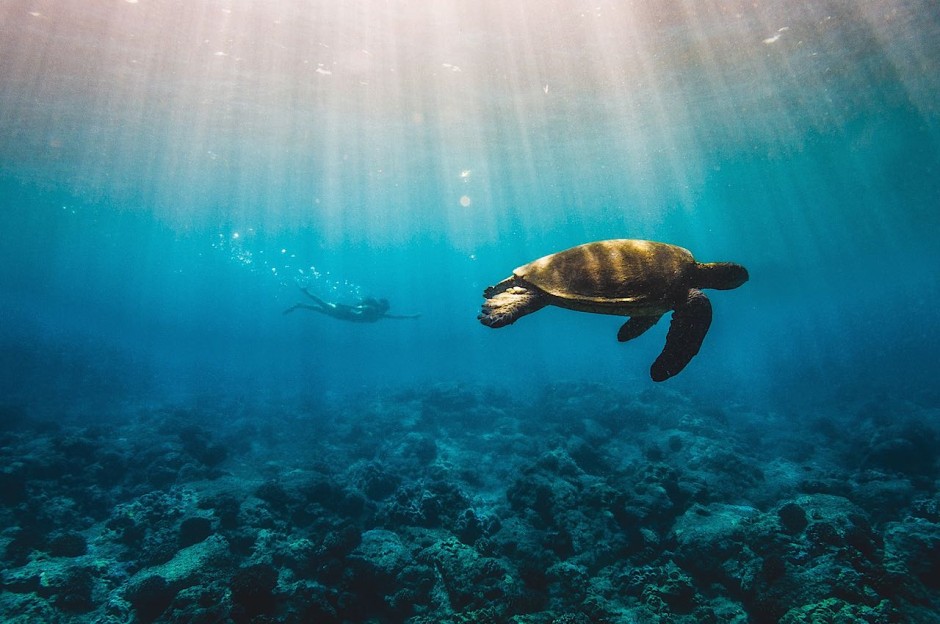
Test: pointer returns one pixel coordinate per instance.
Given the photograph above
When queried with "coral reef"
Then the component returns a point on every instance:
(456, 504)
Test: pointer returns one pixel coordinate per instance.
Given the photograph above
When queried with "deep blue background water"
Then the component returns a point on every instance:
(170, 173)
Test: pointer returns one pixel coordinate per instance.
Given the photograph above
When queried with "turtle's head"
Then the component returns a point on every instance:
(719, 275)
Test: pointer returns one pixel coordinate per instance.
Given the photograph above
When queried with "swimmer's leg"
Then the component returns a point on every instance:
(325, 305)
(305, 307)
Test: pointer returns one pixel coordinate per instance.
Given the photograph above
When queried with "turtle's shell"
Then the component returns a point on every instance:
(621, 271)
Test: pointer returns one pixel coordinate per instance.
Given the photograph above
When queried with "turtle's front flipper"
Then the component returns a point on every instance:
(690, 322)
(506, 284)
(636, 326)
(507, 302)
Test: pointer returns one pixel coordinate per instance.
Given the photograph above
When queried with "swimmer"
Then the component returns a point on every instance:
(368, 310)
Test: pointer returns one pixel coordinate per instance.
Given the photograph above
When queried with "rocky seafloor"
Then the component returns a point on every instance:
(468, 504)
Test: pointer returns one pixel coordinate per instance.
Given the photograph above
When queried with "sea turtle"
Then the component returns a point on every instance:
(636, 278)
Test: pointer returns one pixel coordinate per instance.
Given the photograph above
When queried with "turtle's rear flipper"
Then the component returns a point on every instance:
(636, 326)
(690, 322)
(506, 306)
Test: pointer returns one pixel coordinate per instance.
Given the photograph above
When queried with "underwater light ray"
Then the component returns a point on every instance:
(915, 59)
(520, 115)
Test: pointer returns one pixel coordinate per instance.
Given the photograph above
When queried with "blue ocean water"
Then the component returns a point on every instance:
(798, 141)
(171, 174)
